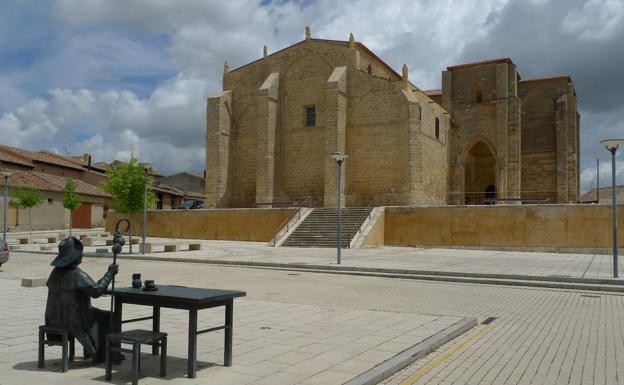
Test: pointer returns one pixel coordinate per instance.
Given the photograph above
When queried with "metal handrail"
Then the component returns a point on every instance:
(306, 201)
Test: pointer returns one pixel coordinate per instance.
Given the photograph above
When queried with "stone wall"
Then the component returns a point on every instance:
(526, 227)
(483, 101)
(260, 149)
(258, 225)
(550, 134)
(51, 214)
(489, 134)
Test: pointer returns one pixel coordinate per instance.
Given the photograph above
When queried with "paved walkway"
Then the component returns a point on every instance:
(539, 336)
(409, 258)
(274, 343)
(431, 259)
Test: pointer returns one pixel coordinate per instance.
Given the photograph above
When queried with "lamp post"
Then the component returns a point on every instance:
(146, 170)
(612, 145)
(339, 157)
(5, 176)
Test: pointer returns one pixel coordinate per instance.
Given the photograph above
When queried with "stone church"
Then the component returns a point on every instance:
(487, 136)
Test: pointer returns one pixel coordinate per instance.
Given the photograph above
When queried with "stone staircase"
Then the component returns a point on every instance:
(319, 228)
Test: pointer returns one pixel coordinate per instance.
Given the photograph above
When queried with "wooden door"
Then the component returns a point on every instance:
(81, 218)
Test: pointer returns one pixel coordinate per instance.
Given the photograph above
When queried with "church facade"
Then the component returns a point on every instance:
(486, 137)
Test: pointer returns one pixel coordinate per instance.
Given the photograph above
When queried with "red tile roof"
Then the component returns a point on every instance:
(25, 157)
(55, 159)
(49, 182)
(10, 155)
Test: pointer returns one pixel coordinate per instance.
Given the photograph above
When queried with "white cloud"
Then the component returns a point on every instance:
(588, 175)
(92, 105)
(167, 128)
(597, 20)
(426, 35)
(111, 40)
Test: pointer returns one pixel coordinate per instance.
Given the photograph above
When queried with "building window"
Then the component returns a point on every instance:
(310, 118)
(437, 128)
(479, 93)
(50, 201)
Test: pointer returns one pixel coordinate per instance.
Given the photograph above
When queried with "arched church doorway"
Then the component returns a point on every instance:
(480, 175)
(490, 195)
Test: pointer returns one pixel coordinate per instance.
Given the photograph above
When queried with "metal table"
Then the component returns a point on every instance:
(181, 297)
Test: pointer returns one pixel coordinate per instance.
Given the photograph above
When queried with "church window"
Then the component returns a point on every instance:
(310, 119)
(437, 128)
(369, 69)
(479, 93)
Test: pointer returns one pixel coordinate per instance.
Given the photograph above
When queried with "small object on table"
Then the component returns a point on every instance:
(136, 281)
(149, 285)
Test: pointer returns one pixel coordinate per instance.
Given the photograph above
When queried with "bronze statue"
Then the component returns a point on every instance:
(69, 299)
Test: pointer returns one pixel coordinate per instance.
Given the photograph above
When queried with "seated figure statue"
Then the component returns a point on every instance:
(69, 299)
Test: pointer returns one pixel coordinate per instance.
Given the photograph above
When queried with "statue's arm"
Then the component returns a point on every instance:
(99, 288)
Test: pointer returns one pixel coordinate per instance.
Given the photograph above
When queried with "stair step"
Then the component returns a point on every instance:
(319, 228)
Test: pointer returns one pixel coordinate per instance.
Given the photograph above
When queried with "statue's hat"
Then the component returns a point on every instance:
(70, 250)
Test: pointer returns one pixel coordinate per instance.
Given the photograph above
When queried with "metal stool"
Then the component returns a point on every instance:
(66, 342)
(136, 338)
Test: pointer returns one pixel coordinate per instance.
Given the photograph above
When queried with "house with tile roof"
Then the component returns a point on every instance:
(47, 171)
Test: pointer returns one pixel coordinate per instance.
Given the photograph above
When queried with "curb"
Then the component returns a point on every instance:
(405, 358)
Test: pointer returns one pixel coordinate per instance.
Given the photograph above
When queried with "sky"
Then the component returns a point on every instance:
(115, 77)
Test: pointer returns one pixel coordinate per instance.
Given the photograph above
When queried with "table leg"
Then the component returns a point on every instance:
(155, 327)
(229, 323)
(192, 344)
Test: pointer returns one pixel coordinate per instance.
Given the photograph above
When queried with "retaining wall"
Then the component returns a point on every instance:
(223, 224)
(528, 227)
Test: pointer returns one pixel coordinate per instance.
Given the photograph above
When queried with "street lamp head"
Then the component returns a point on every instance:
(339, 157)
(612, 144)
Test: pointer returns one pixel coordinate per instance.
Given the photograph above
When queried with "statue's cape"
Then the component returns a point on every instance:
(62, 279)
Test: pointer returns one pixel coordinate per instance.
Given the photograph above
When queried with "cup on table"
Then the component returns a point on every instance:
(149, 284)
(136, 280)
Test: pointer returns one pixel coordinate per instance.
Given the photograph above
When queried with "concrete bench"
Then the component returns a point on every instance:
(90, 241)
(150, 247)
(34, 282)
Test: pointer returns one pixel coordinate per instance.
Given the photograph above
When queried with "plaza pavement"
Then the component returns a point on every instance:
(539, 336)
(464, 261)
(274, 343)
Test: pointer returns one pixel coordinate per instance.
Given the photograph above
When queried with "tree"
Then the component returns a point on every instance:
(71, 200)
(27, 199)
(126, 184)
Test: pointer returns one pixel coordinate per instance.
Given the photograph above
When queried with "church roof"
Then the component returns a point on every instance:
(344, 43)
(565, 77)
(482, 62)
